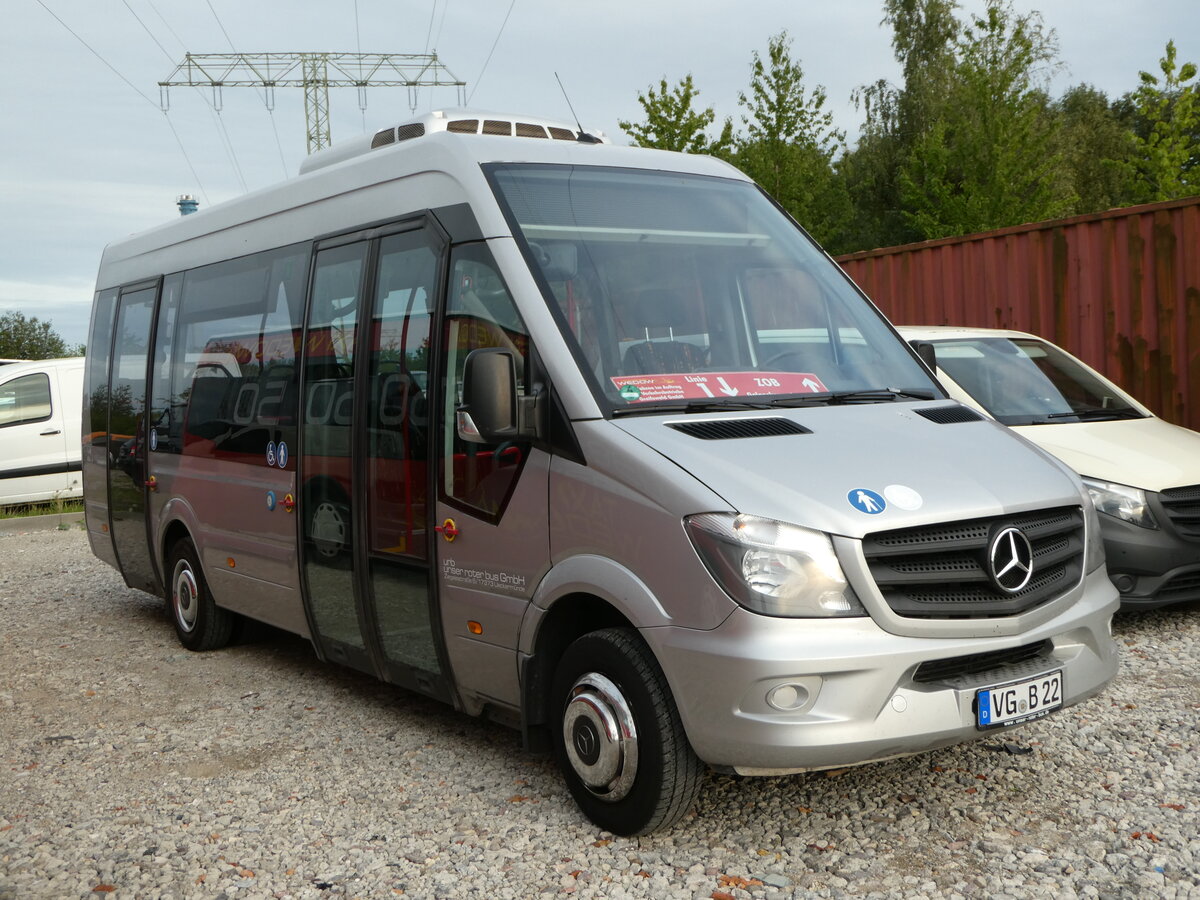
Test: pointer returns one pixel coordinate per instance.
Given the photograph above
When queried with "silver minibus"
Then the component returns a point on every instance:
(592, 440)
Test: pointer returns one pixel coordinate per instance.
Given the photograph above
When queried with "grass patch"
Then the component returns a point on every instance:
(49, 508)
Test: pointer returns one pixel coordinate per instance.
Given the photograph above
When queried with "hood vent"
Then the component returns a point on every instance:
(949, 415)
(732, 429)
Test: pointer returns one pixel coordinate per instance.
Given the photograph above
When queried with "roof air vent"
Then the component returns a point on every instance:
(950, 415)
(731, 429)
(410, 131)
(383, 138)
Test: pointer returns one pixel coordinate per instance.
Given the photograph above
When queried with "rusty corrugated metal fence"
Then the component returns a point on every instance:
(1119, 289)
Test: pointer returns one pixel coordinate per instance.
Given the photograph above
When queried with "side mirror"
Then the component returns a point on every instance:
(928, 354)
(488, 414)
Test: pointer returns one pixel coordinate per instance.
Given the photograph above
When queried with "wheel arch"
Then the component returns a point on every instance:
(579, 595)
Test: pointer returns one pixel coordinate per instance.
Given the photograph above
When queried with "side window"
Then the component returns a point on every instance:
(234, 345)
(25, 399)
(479, 313)
(166, 407)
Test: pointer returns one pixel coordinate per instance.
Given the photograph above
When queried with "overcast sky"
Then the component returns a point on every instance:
(88, 156)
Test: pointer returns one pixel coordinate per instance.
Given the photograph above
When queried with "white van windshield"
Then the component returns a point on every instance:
(676, 288)
(1024, 381)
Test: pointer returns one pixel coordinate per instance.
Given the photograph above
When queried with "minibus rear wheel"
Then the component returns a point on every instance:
(199, 622)
(619, 740)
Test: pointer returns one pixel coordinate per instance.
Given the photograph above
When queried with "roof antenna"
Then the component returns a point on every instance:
(584, 137)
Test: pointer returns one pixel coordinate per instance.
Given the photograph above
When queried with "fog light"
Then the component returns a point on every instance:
(788, 697)
(1124, 583)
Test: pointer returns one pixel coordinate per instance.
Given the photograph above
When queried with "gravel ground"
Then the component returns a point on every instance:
(130, 767)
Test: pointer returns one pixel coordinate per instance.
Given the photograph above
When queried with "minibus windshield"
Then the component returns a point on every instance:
(673, 288)
(1024, 381)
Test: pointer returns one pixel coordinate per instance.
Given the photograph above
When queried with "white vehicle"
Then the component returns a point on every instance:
(40, 406)
(591, 440)
(1143, 473)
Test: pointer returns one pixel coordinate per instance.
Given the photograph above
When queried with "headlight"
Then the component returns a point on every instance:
(773, 568)
(1121, 502)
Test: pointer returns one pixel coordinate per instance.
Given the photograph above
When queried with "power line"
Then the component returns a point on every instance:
(429, 31)
(479, 78)
(315, 73)
(146, 29)
(113, 69)
(218, 122)
(268, 103)
(167, 25)
(94, 53)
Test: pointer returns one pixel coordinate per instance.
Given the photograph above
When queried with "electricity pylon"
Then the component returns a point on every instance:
(316, 73)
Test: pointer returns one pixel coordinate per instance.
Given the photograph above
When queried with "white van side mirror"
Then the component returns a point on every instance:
(928, 354)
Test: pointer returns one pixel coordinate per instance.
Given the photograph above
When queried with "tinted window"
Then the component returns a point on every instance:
(479, 313)
(233, 380)
(25, 399)
(674, 287)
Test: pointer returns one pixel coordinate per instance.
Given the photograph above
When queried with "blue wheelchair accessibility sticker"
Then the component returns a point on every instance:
(866, 501)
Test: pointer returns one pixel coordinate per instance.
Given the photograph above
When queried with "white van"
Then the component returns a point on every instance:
(40, 406)
(592, 440)
(1143, 473)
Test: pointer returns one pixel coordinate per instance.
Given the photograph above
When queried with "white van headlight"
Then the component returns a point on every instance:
(1121, 501)
(773, 568)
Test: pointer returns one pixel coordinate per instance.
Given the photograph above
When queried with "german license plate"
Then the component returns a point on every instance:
(1018, 701)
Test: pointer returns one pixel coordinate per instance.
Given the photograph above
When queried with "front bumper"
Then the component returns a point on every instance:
(855, 699)
(1150, 567)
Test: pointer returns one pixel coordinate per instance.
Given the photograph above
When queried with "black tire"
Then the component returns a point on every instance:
(199, 622)
(628, 785)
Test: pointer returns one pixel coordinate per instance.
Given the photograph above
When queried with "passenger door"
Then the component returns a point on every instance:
(492, 510)
(366, 447)
(33, 442)
(127, 438)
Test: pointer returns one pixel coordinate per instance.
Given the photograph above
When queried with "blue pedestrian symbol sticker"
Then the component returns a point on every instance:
(866, 501)
(271, 453)
(283, 455)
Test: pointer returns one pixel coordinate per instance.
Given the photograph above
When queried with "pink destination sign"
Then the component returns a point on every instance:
(699, 385)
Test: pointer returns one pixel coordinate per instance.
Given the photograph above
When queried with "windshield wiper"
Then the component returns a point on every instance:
(872, 395)
(1099, 414)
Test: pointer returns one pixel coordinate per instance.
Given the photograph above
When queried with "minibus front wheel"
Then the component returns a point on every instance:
(199, 622)
(619, 742)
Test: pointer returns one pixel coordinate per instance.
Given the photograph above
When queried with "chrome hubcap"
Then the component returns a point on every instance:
(600, 737)
(328, 529)
(185, 595)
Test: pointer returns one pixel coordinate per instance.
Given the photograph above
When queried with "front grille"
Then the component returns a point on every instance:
(1180, 588)
(943, 669)
(1182, 506)
(941, 571)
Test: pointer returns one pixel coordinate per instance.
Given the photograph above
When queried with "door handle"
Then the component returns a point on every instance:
(51, 432)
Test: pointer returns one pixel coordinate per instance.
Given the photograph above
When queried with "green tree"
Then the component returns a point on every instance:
(1169, 141)
(673, 123)
(790, 142)
(30, 338)
(896, 117)
(1099, 149)
(991, 158)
